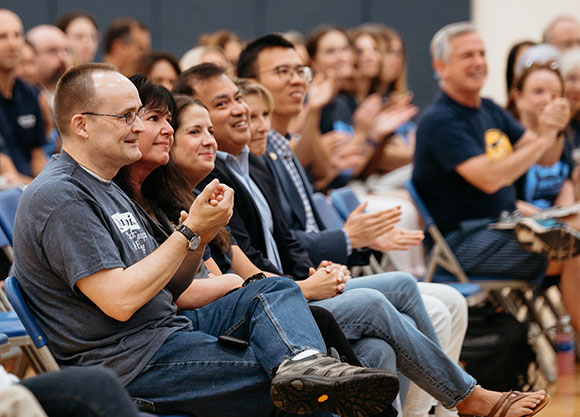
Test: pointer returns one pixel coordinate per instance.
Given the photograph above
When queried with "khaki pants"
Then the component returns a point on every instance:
(18, 401)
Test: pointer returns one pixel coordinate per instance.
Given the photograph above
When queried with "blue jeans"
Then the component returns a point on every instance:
(193, 373)
(381, 334)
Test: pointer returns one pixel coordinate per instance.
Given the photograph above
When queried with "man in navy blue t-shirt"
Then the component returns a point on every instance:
(468, 155)
(21, 123)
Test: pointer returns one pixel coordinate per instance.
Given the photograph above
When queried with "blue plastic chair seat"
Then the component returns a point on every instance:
(10, 325)
(345, 201)
(8, 205)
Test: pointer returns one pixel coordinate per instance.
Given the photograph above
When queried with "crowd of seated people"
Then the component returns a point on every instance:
(205, 277)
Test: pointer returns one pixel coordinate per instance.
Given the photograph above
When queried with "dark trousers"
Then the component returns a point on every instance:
(81, 392)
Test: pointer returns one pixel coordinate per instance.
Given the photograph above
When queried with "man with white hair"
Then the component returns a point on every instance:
(470, 152)
(563, 32)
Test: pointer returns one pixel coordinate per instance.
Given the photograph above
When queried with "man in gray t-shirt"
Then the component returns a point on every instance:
(96, 281)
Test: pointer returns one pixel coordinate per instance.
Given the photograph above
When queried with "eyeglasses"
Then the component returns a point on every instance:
(129, 117)
(286, 72)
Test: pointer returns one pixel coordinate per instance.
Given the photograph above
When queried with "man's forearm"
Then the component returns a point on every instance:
(119, 293)
(489, 176)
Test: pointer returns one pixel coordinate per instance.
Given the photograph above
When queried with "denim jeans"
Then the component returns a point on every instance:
(195, 374)
(368, 314)
(81, 392)
(447, 310)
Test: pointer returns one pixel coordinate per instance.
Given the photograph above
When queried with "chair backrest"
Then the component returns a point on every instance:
(441, 255)
(17, 301)
(420, 204)
(6, 247)
(4, 241)
(44, 361)
(327, 213)
(8, 205)
(344, 200)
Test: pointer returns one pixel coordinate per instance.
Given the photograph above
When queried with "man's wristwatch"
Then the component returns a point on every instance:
(193, 238)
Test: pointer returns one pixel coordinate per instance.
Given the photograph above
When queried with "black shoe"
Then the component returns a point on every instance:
(322, 383)
(548, 237)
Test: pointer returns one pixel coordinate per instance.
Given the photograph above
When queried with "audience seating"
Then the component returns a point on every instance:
(8, 204)
(511, 293)
(48, 362)
(328, 214)
(345, 201)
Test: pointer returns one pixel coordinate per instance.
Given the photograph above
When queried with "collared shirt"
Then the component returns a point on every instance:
(282, 147)
(239, 166)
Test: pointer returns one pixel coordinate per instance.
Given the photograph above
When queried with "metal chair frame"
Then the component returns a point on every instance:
(511, 293)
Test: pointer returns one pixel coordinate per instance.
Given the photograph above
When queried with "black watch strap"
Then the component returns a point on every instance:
(193, 238)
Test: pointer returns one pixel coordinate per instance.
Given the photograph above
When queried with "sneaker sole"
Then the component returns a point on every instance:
(554, 244)
(360, 395)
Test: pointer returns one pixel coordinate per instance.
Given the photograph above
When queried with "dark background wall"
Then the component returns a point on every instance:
(176, 24)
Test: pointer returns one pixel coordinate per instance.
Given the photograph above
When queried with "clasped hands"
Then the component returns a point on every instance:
(211, 210)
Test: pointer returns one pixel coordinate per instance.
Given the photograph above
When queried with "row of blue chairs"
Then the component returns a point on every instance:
(512, 293)
(335, 210)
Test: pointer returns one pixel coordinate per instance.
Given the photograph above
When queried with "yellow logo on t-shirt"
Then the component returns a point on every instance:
(497, 144)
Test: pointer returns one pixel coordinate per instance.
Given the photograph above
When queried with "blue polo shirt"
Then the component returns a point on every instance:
(21, 125)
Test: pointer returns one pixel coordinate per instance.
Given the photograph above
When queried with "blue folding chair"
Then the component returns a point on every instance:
(6, 248)
(508, 291)
(442, 256)
(327, 213)
(45, 360)
(344, 200)
(31, 327)
(16, 337)
(8, 205)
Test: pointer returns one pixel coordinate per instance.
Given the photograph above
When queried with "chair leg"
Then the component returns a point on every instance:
(547, 368)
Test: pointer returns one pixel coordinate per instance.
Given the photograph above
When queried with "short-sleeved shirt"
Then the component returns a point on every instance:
(69, 225)
(449, 134)
(541, 185)
(21, 125)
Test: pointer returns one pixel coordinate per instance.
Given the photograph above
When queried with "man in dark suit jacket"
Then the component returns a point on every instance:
(347, 245)
(371, 318)
(446, 307)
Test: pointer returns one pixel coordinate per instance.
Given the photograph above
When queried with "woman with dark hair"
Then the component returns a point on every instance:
(157, 187)
(161, 67)
(156, 184)
(82, 30)
(514, 54)
(369, 61)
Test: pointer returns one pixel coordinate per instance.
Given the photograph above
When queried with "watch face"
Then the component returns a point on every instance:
(194, 242)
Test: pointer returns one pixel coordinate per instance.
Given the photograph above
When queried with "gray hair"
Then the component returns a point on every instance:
(570, 61)
(440, 43)
(547, 35)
